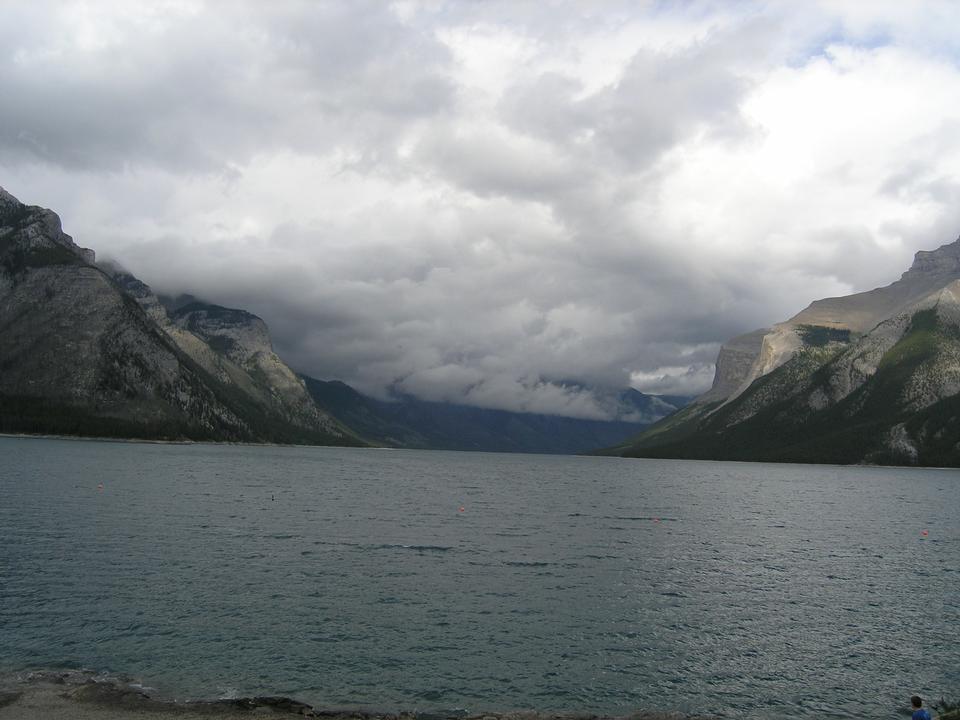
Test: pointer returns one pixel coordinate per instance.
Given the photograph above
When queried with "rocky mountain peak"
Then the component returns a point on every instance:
(236, 334)
(138, 290)
(7, 201)
(88, 349)
(746, 358)
(29, 231)
(945, 260)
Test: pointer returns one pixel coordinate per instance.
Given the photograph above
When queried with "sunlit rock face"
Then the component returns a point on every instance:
(749, 357)
(870, 377)
(244, 340)
(234, 346)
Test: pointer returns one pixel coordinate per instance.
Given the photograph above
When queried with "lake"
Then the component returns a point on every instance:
(440, 581)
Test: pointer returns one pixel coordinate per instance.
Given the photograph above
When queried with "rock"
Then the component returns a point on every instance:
(8, 697)
(872, 377)
(751, 356)
(90, 350)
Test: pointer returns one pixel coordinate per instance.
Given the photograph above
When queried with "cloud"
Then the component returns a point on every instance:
(683, 380)
(194, 87)
(512, 205)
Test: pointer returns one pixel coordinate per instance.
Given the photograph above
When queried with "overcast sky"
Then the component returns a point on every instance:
(485, 201)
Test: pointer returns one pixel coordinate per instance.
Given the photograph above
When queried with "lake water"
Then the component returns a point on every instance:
(468, 581)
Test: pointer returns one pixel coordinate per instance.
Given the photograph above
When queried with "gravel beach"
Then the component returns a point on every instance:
(79, 695)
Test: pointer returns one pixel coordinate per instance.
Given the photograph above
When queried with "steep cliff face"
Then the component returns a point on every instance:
(734, 364)
(872, 377)
(944, 262)
(234, 346)
(76, 350)
(842, 317)
(32, 237)
(193, 346)
(243, 340)
(84, 353)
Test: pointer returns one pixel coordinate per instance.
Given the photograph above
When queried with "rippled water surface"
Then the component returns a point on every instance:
(441, 581)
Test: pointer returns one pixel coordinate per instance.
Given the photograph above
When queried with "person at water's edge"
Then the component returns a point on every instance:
(919, 711)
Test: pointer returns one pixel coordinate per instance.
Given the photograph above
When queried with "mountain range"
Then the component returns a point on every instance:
(406, 421)
(867, 378)
(87, 348)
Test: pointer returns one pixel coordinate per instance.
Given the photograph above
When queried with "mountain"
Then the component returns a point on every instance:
(412, 423)
(89, 350)
(867, 378)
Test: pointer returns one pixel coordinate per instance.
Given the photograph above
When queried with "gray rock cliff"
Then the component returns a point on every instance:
(242, 340)
(89, 350)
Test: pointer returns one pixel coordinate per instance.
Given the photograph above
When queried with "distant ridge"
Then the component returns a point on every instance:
(412, 423)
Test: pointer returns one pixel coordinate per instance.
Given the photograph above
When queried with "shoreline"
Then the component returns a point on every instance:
(85, 695)
(161, 441)
(229, 443)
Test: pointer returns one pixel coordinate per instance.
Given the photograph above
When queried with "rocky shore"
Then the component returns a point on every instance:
(82, 695)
